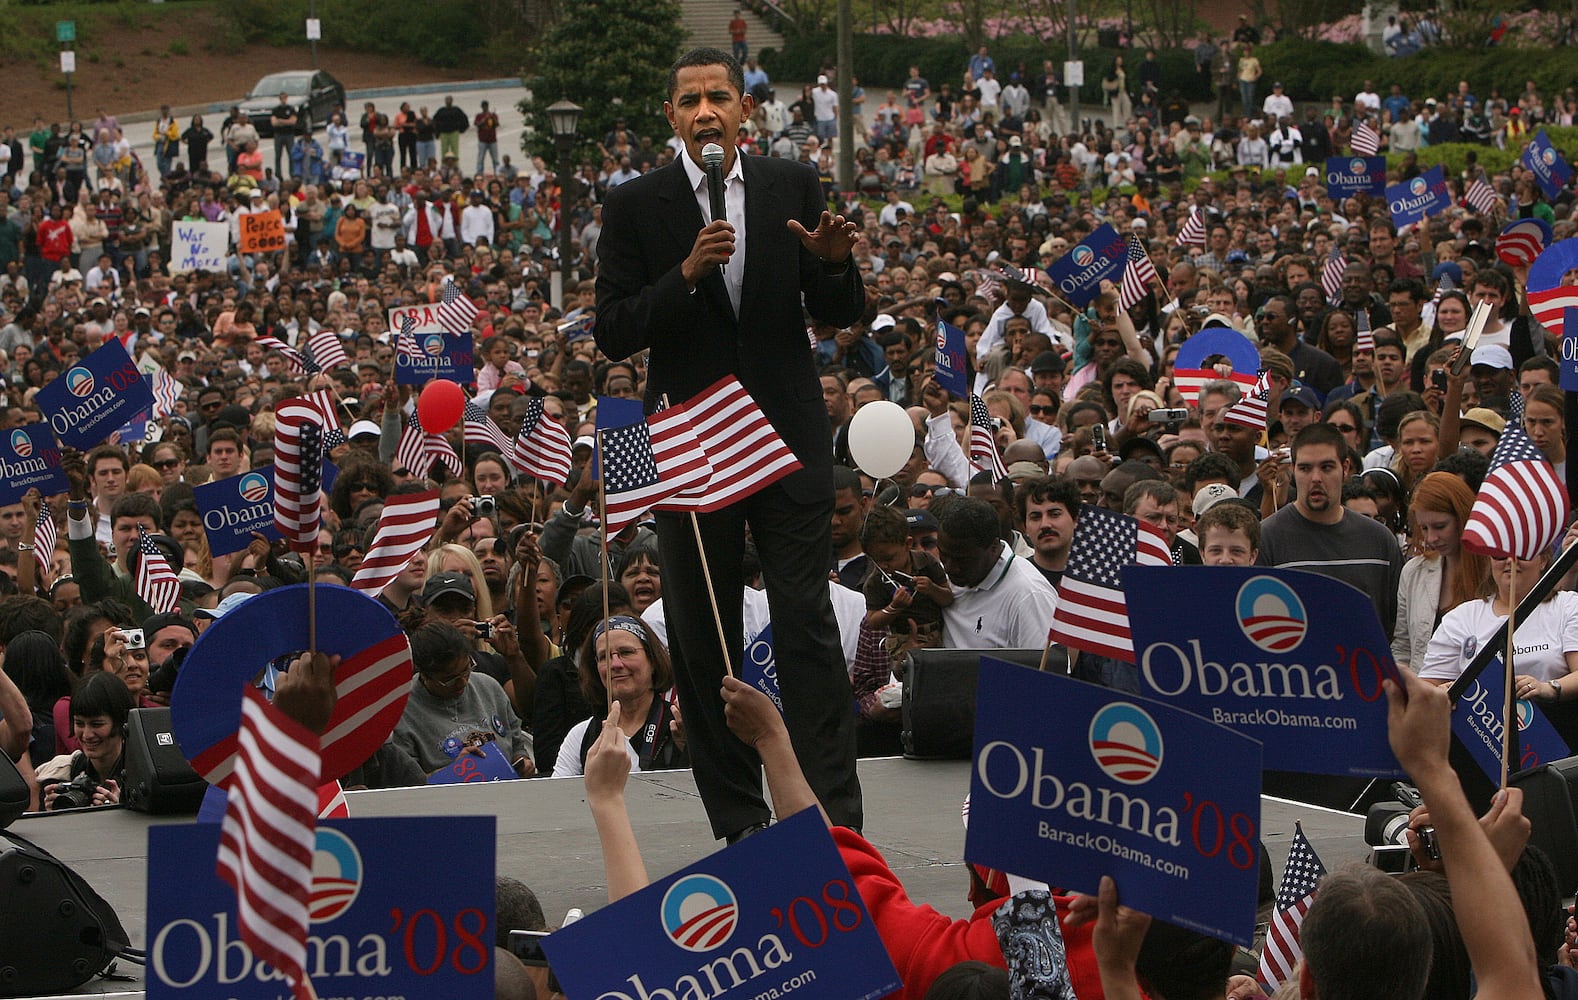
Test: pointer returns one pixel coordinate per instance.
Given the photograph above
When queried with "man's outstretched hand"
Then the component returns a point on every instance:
(834, 238)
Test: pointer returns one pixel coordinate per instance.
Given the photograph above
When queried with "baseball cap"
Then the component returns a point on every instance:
(584, 441)
(141, 311)
(1481, 416)
(1048, 361)
(1210, 495)
(1311, 172)
(884, 321)
(1138, 444)
(1025, 470)
(448, 583)
(1015, 141)
(821, 80)
(226, 606)
(1492, 356)
(363, 427)
(923, 520)
(1303, 395)
(1449, 268)
(154, 623)
(186, 356)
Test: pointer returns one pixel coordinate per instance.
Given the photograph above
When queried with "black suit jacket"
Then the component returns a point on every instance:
(649, 227)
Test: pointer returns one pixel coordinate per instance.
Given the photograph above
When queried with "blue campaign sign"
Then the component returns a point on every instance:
(773, 913)
(94, 397)
(1569, 359)
(1420, 198)
(232, 509)
(1476, 720)
(470, 768)
(380, 925)
(952, 373)
(1238, 349)
(1165, 802)
(1099, 257)
(1294, 659)
(1350, 175)
(760, 669)
(444, 355)
(1551, 170)
(30, 459)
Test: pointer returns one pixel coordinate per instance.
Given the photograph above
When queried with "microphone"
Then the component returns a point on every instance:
(712, 163)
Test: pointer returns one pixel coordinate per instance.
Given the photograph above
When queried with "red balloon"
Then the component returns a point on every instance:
(440, 405)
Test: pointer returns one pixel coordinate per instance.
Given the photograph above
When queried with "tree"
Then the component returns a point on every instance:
(612, 58)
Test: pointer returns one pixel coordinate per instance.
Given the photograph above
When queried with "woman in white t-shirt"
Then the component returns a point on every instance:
(1545, 646)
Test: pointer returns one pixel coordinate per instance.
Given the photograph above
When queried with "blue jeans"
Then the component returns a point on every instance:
(1246, 91)
(484, 150)
(741, 51)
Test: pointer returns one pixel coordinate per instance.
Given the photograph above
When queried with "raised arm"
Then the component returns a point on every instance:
(607, 772)
(755, 720)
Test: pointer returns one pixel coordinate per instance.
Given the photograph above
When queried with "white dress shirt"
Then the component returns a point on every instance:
(734, 207)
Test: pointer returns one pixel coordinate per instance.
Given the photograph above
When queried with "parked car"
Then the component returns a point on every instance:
(314, 95)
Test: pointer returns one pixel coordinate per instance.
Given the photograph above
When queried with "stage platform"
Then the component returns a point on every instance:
(546, 838)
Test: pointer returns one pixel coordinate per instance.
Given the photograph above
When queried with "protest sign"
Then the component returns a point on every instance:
(232, 509)
(1550, 169)
(952, 370)
(380, 925)
(1099, 257)
(261, 232)
(772, 913)
(30, 459)
(1295, 660)
(1190, 373)
(443, 355)
(94, 397)
(1347, 176)
(1476, 720)
(489, 765)
(1424, 196)
(1569, 358)
(1165, 802)
(372, 681)
(760, 669)
(199, 246)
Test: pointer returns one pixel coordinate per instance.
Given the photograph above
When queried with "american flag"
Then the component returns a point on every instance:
(418, 450)
(647, 462)
(1190, 382)
(298, 473)
(1364, 339)
(268, 836)
(983, 441)
(408, 521)
(1331, 276)
(1192, 232)
(322, 349)
(405, 341)
(166, 390)
(1521, 507)
(293, 359)
(1091, 611)
(1137, 276)
(987, 286)
(482, 431)
(1281, 953)
(1446, 284)
(327, 403)
(745, 451)
(156, 583)
(456, 311)
(1481, 197)
(44, 539)
(1250, 410)
(542, 448)
(1366, 140)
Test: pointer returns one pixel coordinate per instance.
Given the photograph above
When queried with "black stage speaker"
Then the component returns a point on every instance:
(158, 778)
(13, 792)
(1550, 793)
(56, 933)
(939, 697)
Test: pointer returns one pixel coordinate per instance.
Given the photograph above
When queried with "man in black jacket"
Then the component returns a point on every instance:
(718, 298)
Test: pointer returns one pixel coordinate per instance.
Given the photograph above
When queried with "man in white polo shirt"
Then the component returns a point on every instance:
(999, 601)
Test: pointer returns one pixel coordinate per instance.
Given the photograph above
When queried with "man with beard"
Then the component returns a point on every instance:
(1317, 534)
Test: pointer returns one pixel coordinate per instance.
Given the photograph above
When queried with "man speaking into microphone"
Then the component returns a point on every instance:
(714, 293)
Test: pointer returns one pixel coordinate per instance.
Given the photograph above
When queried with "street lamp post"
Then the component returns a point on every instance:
(565, 117)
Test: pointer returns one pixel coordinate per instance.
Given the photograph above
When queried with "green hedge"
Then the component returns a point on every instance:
(431, 33)
(883, 62)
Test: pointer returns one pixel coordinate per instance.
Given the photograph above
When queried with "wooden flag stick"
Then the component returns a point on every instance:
(712, 595)
(1509, 747)
(602, 531)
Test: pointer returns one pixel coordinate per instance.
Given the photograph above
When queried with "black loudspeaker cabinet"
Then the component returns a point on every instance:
(14, 793)
(158, 778)
(939, 697)
(1550, 795)
(56, 933)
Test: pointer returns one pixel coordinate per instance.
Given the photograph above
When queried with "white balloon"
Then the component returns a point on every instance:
(881, 438)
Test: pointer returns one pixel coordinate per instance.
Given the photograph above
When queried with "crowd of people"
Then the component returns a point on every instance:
(1365, 468)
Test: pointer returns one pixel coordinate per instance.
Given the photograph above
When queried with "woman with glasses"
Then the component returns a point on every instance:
(453, 711)
(168, 460)
(622, 662)
(1347, 418)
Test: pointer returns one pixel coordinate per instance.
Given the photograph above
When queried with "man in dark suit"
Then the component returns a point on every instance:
(719, 298)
